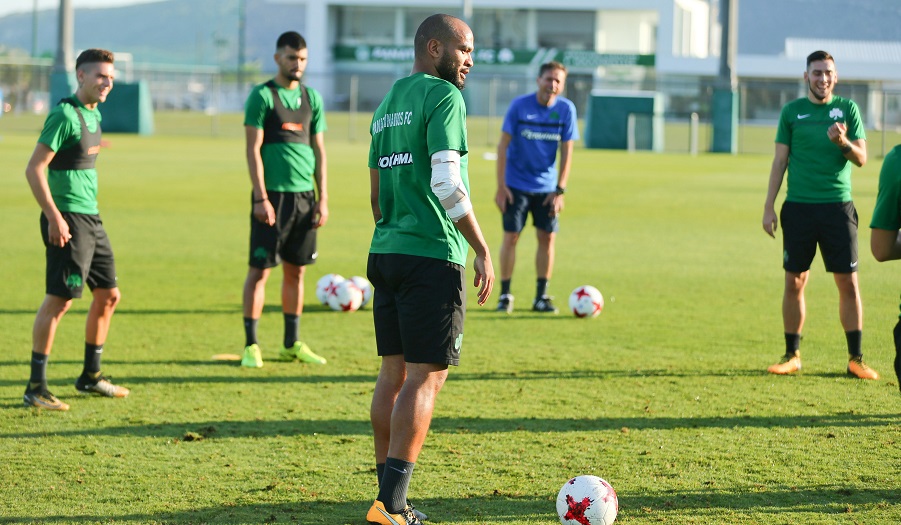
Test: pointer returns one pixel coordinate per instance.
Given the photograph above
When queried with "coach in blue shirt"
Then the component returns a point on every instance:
(528, 180)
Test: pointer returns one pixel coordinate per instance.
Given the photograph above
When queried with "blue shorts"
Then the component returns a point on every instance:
(524, 203)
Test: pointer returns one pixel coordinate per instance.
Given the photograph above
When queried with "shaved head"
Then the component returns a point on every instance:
(442, 28)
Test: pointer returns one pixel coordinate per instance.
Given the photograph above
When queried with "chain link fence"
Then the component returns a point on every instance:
(25, 87)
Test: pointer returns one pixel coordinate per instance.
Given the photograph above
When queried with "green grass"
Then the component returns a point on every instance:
(664, 395)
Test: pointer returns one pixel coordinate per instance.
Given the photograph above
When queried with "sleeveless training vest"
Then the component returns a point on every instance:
(81, 156)
(285, 125)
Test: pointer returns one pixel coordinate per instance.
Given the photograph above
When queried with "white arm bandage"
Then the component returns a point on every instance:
(448, 186)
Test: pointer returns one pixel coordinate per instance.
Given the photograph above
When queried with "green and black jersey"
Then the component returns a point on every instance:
(420, 116)
(73, 190)
(818, 172)
(288, 165)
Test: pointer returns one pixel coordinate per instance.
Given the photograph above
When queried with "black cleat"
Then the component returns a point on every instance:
(544, 304)
(505, 303)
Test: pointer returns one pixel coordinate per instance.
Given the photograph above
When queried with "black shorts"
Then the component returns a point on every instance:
(832, 226)
(418, 306)
(86, 259)
(525, 203)
(292, 239)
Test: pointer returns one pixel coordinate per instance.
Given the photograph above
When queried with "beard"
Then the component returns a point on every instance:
(814, 93)
(447, 70)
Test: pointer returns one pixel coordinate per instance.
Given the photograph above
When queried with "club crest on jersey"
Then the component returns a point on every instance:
(836, 114)
(395, 159)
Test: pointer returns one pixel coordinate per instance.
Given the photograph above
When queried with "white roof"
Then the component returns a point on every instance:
(845, 51)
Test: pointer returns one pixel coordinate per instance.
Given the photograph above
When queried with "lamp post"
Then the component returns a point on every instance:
(242, 42)
(62, 83)
(725, 94)
(34, 30)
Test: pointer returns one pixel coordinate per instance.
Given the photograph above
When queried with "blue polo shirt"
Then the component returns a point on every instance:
(537, 132)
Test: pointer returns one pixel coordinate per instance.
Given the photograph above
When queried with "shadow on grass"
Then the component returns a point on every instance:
(818, 503)
(213, 429)
(234, 309)
(313, 375)
(478, 509)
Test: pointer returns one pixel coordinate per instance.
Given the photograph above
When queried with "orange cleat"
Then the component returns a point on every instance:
(788, 365)
(377, 515)
(859, 369)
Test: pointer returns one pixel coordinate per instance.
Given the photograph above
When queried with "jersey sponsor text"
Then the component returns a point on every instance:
(396, 159)
(528, 134)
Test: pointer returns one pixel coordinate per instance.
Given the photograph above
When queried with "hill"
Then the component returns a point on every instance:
(199, 32)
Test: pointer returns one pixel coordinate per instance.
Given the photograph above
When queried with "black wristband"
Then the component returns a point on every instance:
(560, 190)
(847, 149)
(256, 201)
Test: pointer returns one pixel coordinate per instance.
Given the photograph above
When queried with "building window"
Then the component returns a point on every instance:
(500, 28)
(691, 29)
(365, 25)
(573, 30)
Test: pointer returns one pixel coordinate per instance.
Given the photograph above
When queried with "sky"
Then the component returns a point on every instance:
(27, 6)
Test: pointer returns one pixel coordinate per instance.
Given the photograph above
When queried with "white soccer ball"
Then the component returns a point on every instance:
(324, 286)
(345, 297)
(587, 500)
(586, 301)
(365, 286)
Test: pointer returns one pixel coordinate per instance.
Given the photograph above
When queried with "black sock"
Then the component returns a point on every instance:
(854, 337)
(292, 329)
(38, 371)
(897, 334)
(92, 355)
(250, 331)
(505, 287)
(540, 288)
(792, 343)
(379, 472)
(393, 488)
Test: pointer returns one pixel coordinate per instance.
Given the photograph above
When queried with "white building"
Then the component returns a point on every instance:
(670, 46)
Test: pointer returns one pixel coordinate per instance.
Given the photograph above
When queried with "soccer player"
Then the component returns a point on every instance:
(284, 125)
(819, 137)
(885, 242)
(528, 180)
(64, 182)
(424, 221)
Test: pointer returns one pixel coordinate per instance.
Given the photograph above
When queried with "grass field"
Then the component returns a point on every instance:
(665, 395)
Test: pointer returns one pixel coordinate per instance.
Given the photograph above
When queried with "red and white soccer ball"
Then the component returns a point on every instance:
(345, 296)
(365, 286)
(587, 500)
(586, 301)
(325, 285)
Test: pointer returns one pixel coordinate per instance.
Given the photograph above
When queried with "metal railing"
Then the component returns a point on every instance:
(687, 102)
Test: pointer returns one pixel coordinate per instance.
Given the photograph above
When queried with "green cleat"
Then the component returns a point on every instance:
(301, 352)
(253, 357)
